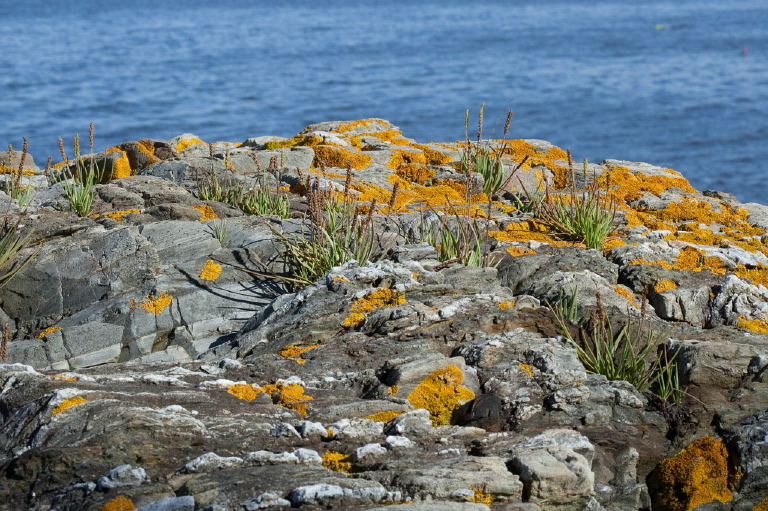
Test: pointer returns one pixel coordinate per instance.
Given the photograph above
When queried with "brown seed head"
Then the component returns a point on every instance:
(61, 150)
(506, 124)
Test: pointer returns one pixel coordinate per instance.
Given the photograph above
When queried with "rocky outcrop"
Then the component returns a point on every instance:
(159, 353)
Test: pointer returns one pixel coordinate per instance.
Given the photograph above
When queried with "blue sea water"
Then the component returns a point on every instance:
(679, 84)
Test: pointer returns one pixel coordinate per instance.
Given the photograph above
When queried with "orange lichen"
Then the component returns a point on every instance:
(339, 158)
(393, 390)
(696, 475)
(119, 503)
(529, 230)
(753, 325)
(380, 297)
(289, 395)
(527, 368)
(757, 276)
(206, 212)
(183, 144)
(628, 186)
(613, 243)
(441, 393)
(118, 215)
(243, 391)
(415, 173)
(8, 170)
(517, 251)
(68, 403)
(664, 285)
(295, 352)
(63, 377)
(389, 136)
(401, 157)
(506, 304)
(155, 305)
(690, 258)
(354, 320)
(481, 496)
(120, 168)
(210, 271)
(48, 330)
(433, 156)
(351, 125)
(338, 462)
(383, 416)
(626, 293)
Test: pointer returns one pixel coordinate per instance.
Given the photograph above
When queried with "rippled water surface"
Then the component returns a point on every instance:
(680, 84)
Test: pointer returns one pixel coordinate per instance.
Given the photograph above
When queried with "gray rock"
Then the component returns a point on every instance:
(212, 461)
(555, 467)
(720, 365)
(186, 503)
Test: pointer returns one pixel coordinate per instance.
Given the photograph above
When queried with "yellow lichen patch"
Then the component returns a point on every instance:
(626, 293)
(753, 325)
(415, 173)
(441, 393)
(761, 506)
(63, 377)
(611, 244)
(121, 168)
(68, 403)
(183, 144)
(527, 368)
(354, 320)
(8, 170)
(339, 158)
(210, 271)
(481, 496)
(389, 136)
(285, 144)
(384, 416)
(506, 304)
(458, 186)
(290, 396)
(628, 186)
(118, 215)
(119, 503)
(696, 475)
(433, 156)
(48, 330)
(155, 305)
(757, 275)
(338, 462)
(529, 230)
(690, 258)
(664, 285)
(206, 212)
(393, 390)
(295, 352)
(349, 126)
(243, 391)
(340, 279)
(517, 251)
(401, 157)
(381, 297)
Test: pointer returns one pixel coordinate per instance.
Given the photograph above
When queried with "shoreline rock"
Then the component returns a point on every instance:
(153, 359)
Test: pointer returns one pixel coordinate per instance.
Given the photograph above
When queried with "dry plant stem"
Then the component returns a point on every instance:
(61, 150)
(4, 343)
